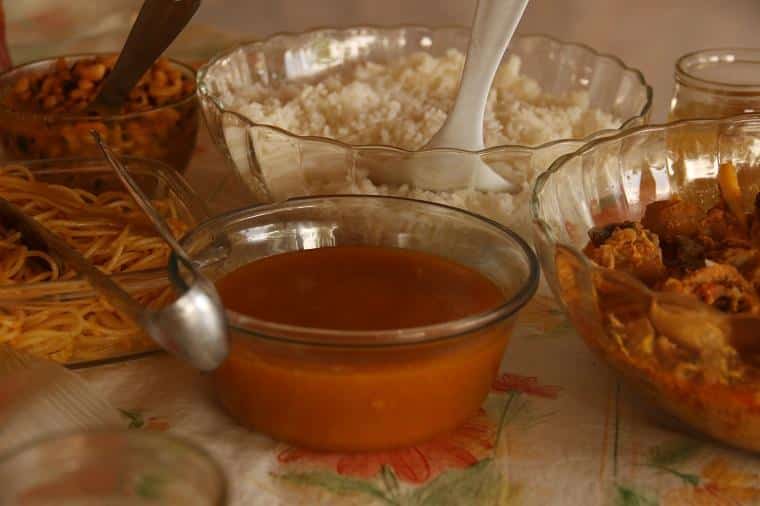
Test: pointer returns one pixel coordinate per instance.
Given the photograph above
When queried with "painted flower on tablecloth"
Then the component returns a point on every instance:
(719, 484)
(466, 446)
(524, 384)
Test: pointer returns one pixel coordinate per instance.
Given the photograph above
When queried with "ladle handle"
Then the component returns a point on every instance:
(142, 200)
(34, 233)
(494, 24)
(157, 25)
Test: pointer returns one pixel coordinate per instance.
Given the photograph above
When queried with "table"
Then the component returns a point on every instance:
(558, 427)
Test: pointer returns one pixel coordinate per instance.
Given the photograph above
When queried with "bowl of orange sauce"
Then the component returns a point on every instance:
(361, 322)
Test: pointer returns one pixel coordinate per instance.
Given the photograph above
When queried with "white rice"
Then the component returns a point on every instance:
(403, 104)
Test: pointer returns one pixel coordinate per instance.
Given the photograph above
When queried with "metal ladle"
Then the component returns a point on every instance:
(192, 327)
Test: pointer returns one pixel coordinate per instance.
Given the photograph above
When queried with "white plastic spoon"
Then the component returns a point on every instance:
(492, 29)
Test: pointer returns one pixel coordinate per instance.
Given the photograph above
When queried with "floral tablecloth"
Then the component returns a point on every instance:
(557, 428)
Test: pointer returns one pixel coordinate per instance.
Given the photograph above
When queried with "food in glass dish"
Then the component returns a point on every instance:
(712, 256)
(336, 110)
(109, 229)
(43, 111)
(404, 103)
(691, 348)
(362, 288)
(361, 323)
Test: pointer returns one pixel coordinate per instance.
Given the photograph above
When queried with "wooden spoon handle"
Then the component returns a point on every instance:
(157, 25)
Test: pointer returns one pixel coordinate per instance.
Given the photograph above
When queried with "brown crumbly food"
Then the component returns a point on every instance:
(713, 257)
(672, 218)
(45, 114)
(69, 88)
(702, 365)
(632, 249)
(719, 285)
(683, 254)
(721, 226)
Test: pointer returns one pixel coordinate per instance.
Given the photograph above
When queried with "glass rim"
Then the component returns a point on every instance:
(685, 76)
(388, 338)
(52, 117)
(541, 225)
(161, 437)
(206, 68)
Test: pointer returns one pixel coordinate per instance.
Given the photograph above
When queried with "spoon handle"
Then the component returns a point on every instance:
(36, 234)
(494, 24)
(141, 199)
(157, 25)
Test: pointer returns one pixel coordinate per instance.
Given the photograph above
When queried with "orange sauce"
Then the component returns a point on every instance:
(353, 398)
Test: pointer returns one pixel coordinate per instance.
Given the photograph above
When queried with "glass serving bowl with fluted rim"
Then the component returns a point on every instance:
(111, 467)
(613, 180)
(165, 133)
(362, 390)
(275, 164)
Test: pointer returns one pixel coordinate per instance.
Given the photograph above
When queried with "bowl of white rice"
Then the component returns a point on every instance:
(335, 111)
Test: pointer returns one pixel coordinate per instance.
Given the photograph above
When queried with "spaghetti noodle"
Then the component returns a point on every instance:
(111, 232)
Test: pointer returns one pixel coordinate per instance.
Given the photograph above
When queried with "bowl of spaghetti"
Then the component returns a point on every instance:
(45, 309)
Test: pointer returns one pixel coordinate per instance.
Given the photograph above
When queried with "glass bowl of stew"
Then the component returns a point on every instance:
(640, 237)
(390, 330)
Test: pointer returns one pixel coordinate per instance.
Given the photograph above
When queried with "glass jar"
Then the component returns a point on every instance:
(716, 83)
(111, 468)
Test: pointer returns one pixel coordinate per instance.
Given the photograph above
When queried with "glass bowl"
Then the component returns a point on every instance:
(629, 325)
(362, 390)
(167, 133)
(26, 302)
(276, 164)
(111, 468)
(716, 83)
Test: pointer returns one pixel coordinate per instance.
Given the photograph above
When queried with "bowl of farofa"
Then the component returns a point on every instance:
(46, 309)
(651, 240)
(331, 110)
(43, 111)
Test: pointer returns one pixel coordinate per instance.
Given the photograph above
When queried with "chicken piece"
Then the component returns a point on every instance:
(600, 234)
(672, 218)
(683, 254)
(721, 226)
(629, 247)
(721, 286)
(741, 258)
